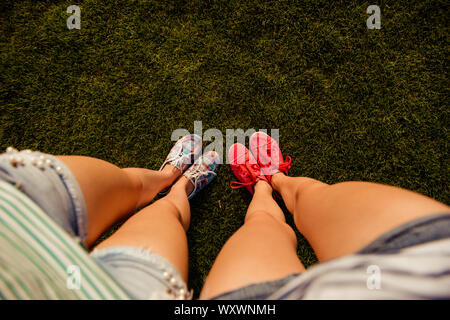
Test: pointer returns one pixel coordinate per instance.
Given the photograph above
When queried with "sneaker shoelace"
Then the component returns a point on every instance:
(197, 174)
(285, 166)
(239, 184)
(181, 157)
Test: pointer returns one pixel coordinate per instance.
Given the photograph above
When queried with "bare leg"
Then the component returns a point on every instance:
(263, 249)
(341, 219)
(160, 227)
(112, 194)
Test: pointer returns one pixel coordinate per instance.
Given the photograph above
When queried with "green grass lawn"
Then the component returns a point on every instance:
(350, 103)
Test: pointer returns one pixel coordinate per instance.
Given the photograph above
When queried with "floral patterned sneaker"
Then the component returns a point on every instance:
(203, 171)
(184, 153)
(268, 154)
(245, 168)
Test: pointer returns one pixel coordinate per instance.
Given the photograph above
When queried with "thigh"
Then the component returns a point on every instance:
(156, 228)
(263, 249)
(343, 218)
(110, 193)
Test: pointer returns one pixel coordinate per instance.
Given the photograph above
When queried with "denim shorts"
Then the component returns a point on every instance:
(50, 184)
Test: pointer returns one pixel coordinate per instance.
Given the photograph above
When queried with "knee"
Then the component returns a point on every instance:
(304, 195)
(265, 220)
(259, 217)
(173, 207)
(308, 185)
(307, 189)
(134, 181)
